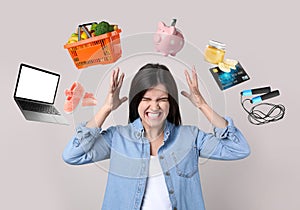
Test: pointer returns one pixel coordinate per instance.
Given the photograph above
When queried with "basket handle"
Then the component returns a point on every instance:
(84, 28)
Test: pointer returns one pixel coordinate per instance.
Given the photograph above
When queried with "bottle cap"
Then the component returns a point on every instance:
(217, 44)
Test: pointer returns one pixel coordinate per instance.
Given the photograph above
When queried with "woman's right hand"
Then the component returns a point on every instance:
(113, 100)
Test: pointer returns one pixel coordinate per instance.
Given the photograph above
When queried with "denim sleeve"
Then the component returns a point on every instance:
(224, 144)
(88, 145)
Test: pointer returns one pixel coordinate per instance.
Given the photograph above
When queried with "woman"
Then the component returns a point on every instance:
(154, 159)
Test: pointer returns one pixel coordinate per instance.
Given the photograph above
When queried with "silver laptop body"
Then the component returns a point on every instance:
(35, 94)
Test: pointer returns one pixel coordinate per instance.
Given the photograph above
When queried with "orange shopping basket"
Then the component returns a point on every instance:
(102, 49)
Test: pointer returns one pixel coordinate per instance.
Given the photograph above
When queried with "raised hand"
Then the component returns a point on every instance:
(197, 99)
(194, 96)
(113, 100)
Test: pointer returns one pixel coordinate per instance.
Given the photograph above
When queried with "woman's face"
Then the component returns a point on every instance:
(154, 107)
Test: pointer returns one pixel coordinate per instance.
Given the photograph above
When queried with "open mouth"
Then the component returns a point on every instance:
(153, 115)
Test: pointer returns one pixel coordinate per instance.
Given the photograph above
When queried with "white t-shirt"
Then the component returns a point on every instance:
(156, 195)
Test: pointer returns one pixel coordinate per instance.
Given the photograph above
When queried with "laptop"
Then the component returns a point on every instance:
(35, 94)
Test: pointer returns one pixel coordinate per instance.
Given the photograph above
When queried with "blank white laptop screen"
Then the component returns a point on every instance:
(37, 85)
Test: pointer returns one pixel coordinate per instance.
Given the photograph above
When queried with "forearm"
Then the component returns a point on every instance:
(75, 154)
(223, 144)
(99, 118)
(213, 117)
(87, 145)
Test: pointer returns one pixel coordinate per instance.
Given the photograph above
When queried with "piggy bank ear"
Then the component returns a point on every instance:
(161, 25)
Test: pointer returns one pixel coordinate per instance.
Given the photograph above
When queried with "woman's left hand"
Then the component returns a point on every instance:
(194, 96)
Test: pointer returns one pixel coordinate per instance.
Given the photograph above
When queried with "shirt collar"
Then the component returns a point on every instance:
(137, 124)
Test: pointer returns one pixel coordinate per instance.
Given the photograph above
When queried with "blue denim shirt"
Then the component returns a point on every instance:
(129, 154)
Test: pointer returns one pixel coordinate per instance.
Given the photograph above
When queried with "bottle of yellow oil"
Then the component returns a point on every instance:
(214, 52)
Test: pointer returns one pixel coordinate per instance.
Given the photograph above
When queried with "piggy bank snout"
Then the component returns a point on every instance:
(157, 38)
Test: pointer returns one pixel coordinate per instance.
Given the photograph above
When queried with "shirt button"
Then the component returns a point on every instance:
(161, 157)
(236, 140)
(138, 134)
(167, 173)
(171, 191)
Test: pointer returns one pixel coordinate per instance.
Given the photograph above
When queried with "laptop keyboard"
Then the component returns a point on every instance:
(42, 108)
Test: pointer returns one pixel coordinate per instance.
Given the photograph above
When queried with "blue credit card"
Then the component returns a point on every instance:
(227, 80)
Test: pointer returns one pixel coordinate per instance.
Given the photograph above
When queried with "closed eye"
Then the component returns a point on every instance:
(146, 99)
(166, 99)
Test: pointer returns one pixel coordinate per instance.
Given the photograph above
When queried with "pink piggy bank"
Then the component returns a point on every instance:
(168, 39)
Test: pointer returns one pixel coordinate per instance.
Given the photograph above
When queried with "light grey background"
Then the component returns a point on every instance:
(262, 35)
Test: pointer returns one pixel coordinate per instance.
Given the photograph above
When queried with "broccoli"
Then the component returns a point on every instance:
(102, 28)
(93, 26)
(111, 28)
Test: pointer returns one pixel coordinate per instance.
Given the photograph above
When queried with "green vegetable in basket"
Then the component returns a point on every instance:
(103, 27)
(111, 28)
(93, 26)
